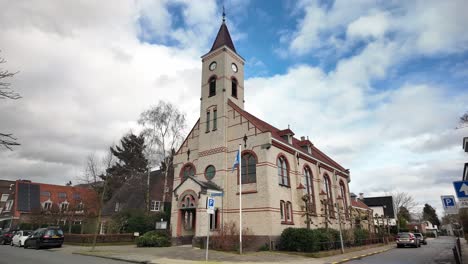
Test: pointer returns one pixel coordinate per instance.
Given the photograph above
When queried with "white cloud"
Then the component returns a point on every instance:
(421, 27)
(375, 25)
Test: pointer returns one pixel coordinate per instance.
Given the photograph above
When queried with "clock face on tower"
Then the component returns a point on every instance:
(234, 67)
(213, 66)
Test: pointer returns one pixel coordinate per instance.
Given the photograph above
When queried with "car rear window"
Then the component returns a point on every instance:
(26, 233)
(418, 235)
(54, 232)
(404, 235)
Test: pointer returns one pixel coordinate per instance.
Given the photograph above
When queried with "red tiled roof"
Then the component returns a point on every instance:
(358, 203)
(275, 132)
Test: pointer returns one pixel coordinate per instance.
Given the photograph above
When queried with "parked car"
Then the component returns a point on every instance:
(422, 238)
(5, 238)
(45, 237)
(407, 239)
(19, 237)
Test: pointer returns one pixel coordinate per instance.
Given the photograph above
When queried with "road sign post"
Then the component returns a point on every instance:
(210, 205)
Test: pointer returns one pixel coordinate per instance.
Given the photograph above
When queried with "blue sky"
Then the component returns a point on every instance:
(377, 85)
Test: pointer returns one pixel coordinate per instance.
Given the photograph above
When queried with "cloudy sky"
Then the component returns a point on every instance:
(377, 85)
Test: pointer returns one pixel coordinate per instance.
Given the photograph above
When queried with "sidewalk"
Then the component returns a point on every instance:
(189, 255)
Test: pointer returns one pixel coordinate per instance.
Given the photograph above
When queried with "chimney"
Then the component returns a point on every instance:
(361, 196)
(302, 138)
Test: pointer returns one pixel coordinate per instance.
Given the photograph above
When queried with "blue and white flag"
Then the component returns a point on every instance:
(236, 162)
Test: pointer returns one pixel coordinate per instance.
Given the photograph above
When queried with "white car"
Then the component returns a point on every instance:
(19, 237)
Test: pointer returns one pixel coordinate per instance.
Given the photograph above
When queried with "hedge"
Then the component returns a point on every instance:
(88, 238)
(153, 239)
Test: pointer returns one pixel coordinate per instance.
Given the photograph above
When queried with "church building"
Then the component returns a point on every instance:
(286, 181)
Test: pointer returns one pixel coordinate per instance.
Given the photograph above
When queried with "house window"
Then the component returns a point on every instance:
(307, 181)
(45, 194)
(249, 168)
(188, 170)
(234, 88)
(77, 196)
(214, 220)
(329, 199)
(117, 207)
(155, 206)
(282, 210)
(210, 172)
(215, 121)
(80, 207)
(63, 206)
(212, 82)
(283, 171)
(47, 205)
(207, 121)
(4, 197)
(62, 195)
(8, 205)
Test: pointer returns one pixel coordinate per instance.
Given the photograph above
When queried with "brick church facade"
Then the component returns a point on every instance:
(285, 180)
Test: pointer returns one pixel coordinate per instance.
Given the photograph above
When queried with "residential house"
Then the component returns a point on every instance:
(7, 191)
(384, 211)
(362, 216)
(39, 203)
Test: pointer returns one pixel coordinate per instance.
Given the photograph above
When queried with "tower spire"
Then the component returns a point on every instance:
(224, 15)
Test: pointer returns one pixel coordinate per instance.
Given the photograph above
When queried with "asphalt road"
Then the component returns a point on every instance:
(437, 251)
(15, 255)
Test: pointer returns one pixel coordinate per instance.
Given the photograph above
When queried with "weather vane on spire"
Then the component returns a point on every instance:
(224, 15)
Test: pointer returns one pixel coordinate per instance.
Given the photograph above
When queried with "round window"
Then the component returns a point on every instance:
(210, 172)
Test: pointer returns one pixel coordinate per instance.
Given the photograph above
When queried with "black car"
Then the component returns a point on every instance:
(421, 238)
(45, 237)
(6, 237)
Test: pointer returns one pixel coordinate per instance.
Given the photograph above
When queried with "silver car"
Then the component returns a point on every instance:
(407, 239)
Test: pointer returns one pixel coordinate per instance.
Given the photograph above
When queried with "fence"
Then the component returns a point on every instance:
(108, 238)
(335, 245)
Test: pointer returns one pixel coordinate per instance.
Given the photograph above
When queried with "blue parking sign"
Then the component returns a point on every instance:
(448, 201)
(210, 203)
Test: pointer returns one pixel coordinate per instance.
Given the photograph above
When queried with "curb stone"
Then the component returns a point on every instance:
(361, 256)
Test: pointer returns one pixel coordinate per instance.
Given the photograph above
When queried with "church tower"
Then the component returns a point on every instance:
(222, 79)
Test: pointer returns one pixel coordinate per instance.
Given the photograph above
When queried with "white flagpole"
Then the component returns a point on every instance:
(240, 199)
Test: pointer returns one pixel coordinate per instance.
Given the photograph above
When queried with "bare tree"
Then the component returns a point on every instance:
(96, 177)
(403, 199)
(6, 139)
(163, 128)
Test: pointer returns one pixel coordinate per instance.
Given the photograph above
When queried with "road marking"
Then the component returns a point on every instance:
(361, 256)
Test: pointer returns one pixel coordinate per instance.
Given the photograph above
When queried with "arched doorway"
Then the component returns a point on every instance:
(187, 219)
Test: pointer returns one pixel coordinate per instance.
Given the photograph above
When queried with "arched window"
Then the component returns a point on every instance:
(282, 210)
(289, 216)
(283, 171)
(329, 198)
(345, 200)
(307, 181)
(187, 170)
(212, 83)
(234, 88)
(249, 168)
(188, 201)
